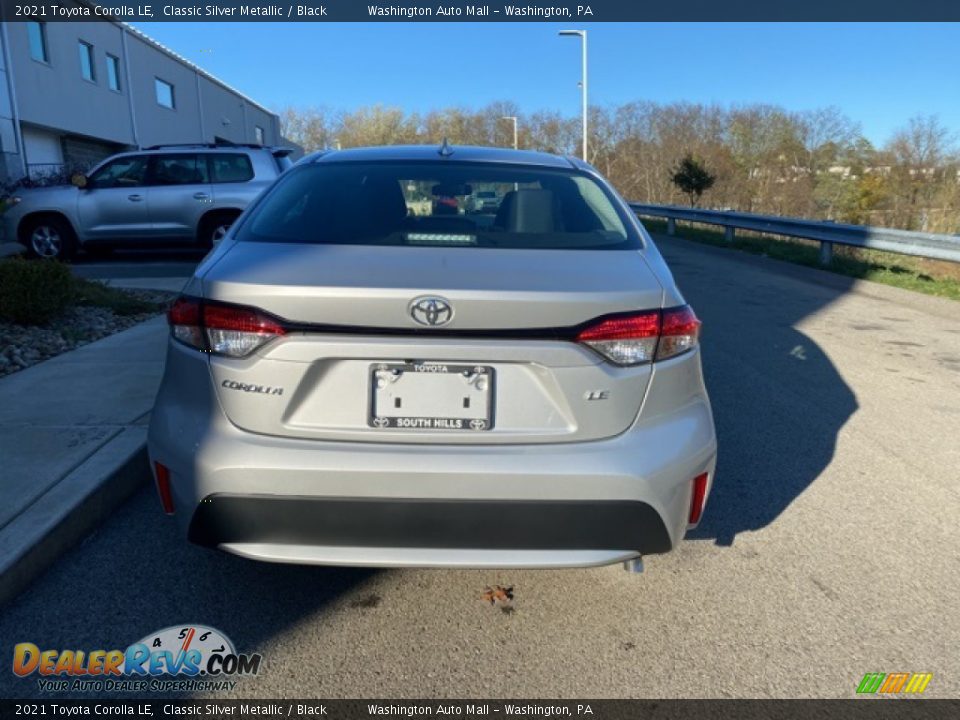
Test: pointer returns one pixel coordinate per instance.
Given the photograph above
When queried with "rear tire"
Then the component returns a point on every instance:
(49, 237)
(213, 228)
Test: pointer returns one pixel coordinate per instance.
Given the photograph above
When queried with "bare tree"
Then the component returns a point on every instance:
(311, 128)
(814, 163)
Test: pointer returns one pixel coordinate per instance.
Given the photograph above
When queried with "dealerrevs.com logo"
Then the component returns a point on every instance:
(180, 658)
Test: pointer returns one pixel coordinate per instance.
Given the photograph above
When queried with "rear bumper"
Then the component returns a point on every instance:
(428, 524)
(384, 504)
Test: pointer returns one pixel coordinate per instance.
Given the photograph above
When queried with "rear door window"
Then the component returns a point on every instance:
(185, 169)
(230, 168)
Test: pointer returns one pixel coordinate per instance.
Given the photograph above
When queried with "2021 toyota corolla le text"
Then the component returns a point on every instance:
(354, 377)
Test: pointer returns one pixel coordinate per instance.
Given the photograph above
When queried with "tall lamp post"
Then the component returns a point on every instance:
(514, 119)
(582, 34)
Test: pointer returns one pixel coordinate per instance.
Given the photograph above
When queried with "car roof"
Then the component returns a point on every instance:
(451, 153)
(190, 149)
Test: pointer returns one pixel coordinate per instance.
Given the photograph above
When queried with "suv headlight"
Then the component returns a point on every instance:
(13, 200)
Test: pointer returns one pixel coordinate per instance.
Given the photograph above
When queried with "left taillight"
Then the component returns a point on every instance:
(184, 319)
(643, 337)
(222, 328)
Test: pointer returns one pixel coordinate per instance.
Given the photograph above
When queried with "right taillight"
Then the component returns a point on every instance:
(643, 337)
(679, 332)
(222, 328)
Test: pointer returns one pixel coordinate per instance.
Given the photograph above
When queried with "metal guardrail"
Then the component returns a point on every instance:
(905, 242)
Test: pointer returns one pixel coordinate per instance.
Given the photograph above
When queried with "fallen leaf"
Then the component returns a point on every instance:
(498, 593)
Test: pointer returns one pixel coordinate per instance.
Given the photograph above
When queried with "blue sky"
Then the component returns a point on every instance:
(879, 74)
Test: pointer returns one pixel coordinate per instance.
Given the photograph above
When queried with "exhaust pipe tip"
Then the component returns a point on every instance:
(634, 565)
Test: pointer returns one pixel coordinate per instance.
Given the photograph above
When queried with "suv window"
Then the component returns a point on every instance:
(230, 168)
(187, 169)
(394, 203)
(129, 171)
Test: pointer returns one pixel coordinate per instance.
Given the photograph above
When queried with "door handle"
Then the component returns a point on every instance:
(201, 196)
(135, 198)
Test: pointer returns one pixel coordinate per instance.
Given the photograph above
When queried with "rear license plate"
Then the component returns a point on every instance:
(431, 396)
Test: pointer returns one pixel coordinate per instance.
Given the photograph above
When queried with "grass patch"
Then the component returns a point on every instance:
(932, 277)
(95, 294)
(35, 292)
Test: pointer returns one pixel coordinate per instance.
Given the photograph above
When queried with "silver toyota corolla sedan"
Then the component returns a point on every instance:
(369, 371)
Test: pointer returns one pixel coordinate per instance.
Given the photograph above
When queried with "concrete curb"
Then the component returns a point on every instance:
(71, 509)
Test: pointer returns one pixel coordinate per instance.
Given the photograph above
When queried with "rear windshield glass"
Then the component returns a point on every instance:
(434, 204)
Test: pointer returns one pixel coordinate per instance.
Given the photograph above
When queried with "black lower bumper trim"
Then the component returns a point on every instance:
(416, 523)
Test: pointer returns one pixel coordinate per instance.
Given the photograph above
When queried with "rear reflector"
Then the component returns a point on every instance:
(698, 498)
(162, 473)
(643, 337)
(222, 328)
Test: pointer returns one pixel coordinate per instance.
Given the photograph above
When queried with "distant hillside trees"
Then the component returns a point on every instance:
(762, 158)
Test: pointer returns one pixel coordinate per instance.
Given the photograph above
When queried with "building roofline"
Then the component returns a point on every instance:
(140, 35)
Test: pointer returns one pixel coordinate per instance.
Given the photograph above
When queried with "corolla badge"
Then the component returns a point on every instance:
(431, 311)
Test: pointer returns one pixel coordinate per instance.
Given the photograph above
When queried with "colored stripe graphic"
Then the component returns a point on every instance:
(918, 683)
(892, 683)
(871, 682)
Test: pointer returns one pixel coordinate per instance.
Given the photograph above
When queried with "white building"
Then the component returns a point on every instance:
(74, 93)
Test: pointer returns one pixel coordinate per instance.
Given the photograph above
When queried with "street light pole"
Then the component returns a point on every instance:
(514, 119)
(582, 34)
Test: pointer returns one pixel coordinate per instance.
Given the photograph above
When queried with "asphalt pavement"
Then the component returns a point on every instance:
(829, 548)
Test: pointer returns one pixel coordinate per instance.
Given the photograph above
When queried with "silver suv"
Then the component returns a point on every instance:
(354, 380)
(161, 195)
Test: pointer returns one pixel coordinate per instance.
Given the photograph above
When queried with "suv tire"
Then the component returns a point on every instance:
(48, 236)
(214, 227)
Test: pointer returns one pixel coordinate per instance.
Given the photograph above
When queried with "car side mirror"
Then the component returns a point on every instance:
(78, 180)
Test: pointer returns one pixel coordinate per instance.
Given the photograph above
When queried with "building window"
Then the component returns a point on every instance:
(164, 94)
(258, 131)
(86, 62)
(37, 32)
(113, 72)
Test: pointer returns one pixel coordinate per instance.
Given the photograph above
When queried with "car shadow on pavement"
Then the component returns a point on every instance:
(778, 401)
(137, 574)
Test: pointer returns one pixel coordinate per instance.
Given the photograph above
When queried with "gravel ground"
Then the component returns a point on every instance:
(24, 345)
